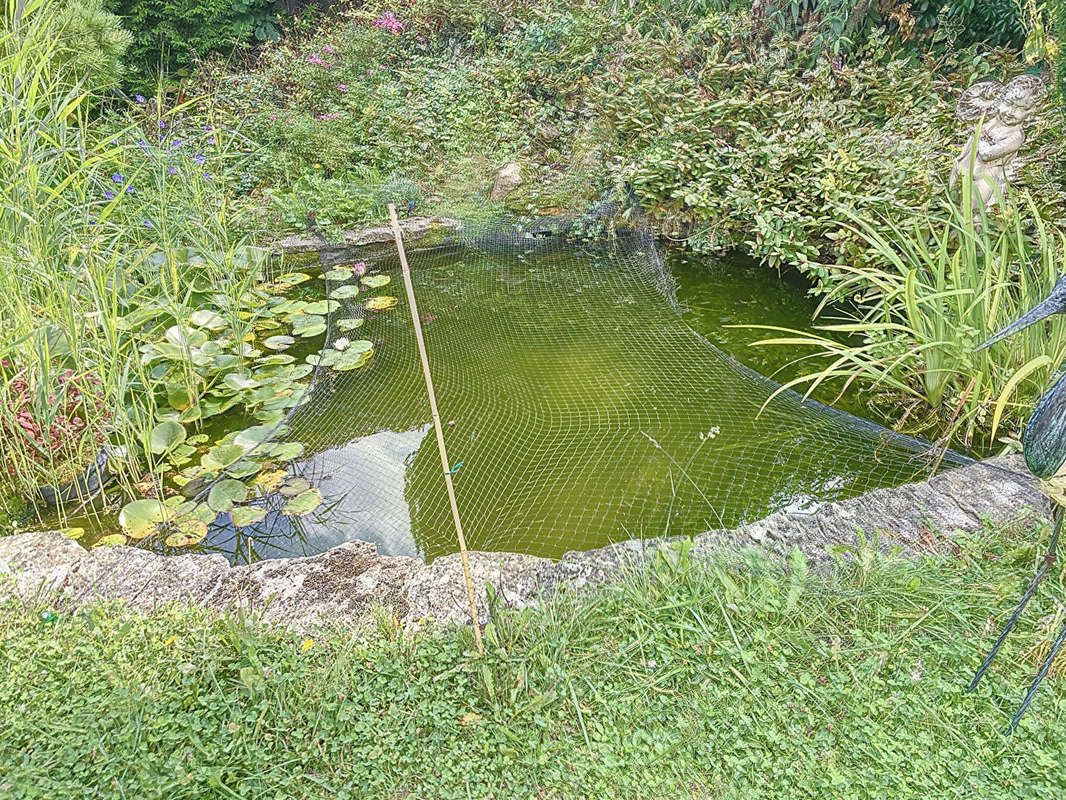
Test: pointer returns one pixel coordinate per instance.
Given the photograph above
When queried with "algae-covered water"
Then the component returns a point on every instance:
(590, 394)
(582, 406)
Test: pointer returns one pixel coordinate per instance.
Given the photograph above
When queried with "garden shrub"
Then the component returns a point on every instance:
(88, 43)
(171, 34)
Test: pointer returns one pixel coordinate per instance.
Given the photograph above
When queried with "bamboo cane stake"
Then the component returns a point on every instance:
(445, 464)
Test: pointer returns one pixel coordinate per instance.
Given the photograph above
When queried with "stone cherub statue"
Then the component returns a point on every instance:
(1003, 112)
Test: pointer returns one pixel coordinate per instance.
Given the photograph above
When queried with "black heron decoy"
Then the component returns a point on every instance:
(1044, 448)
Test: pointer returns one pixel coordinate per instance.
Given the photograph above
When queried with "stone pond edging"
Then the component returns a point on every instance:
(414, 228)
(341, 586)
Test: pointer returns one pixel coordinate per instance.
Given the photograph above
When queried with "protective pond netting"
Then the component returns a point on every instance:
(582, 408)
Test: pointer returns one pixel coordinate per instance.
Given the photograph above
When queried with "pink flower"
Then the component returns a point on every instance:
(328, 49)
(318, 62)
(388, 22)
(342, 87)
(333, 115)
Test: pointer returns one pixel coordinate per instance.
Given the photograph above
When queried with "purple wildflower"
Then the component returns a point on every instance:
(140, 99)
(210, 139)
(162, 124)
(148, 224)
(117, 178)
(208, 128)
(129, 190)
(199, 158)
(109, 194)
(175, 144)
(142, 143)
(172, 170)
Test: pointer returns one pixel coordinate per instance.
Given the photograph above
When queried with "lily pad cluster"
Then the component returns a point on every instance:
(347, 283)
(236, 359)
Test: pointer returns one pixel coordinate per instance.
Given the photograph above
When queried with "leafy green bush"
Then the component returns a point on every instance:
(93, 44)
(83, 44)
(171, 34)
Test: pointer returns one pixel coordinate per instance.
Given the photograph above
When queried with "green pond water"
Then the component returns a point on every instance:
(587, 392)
(592, 396)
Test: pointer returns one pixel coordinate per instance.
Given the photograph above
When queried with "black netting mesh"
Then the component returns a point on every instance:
(583, 410)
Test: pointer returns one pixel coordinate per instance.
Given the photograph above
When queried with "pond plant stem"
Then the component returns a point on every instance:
(445, 464)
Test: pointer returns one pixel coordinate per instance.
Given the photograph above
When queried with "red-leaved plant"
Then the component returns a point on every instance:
(52, 427)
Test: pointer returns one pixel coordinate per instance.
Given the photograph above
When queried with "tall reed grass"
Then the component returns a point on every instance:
(106, 240)
(935, 286)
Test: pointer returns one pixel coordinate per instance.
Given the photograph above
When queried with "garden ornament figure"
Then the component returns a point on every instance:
(1044, 447)
(1001, 113)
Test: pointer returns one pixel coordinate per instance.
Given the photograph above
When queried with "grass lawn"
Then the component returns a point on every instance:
(733, 680)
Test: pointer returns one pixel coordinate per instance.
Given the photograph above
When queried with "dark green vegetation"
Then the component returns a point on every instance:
(811, 135)
(731, 131)
(728, 680)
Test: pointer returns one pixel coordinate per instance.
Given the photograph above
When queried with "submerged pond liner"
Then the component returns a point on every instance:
(582, 407)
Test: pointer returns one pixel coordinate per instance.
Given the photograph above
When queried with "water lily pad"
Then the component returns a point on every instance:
(211, 320)
(349, 324)
(303, 503)
(111, 540)
(278, 343)
(352, 359)
(269, 416)
(221, 456)
(250, 437)
(292, 278)
(239, 381)
(344, 292)
(166, 436)
(360, 346)
(243, 469)
(305, 320)
(276, 358)
(338, 274)
(322, 307)
(376, 281)
(73, 533)
(383, 302)
(183, 337)
(286, 451)
(190, 509)
(270, 480)
(187, 533)
(178, 397)
(141, 518)
(225, 493)
(313, 330)
(247, 515)
(294, 486)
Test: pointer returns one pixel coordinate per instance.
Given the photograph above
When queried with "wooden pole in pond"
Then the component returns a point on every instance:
(445, 464)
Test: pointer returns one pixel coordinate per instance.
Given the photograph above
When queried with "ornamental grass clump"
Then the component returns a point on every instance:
(113, 229)
(933, 287)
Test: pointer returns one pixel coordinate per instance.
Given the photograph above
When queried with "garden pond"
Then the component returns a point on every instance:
(590, 394)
